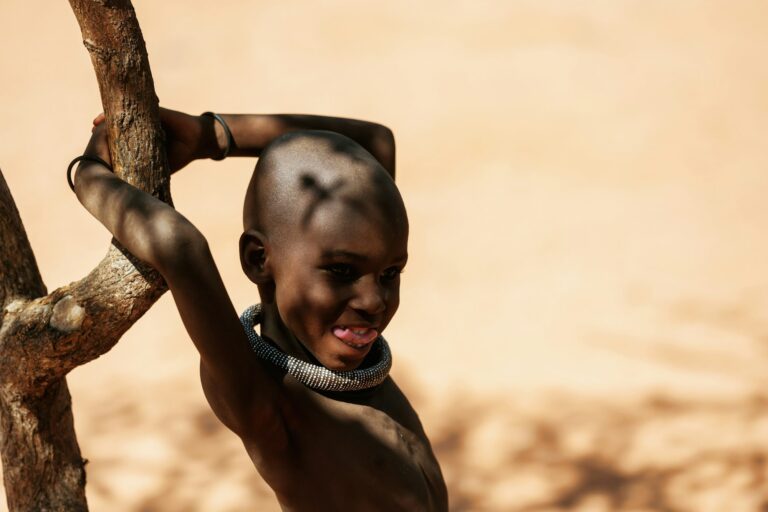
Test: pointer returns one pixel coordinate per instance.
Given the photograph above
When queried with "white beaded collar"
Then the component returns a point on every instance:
(312, 375)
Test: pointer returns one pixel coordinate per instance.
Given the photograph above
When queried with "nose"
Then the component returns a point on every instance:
(370, 296)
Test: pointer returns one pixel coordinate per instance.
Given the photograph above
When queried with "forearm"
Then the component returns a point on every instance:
(143, 224)
(253, 132)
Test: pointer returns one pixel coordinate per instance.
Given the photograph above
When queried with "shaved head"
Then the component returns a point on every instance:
(307, 178)
(326, 237)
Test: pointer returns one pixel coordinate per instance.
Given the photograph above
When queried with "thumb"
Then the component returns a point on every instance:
(99, 119)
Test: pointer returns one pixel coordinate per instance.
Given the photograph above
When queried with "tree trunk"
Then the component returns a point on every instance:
(43, 337)
(42, 466)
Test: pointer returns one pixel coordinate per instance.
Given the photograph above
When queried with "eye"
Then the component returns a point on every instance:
(391, 273)
(341, 271)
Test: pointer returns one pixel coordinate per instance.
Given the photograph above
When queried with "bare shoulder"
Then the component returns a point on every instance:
(375, 440)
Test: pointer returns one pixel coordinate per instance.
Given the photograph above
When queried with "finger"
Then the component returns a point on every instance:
(101, 130)
(99, 119)
(97, 145)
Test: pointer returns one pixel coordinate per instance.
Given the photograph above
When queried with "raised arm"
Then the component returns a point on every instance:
(253, 132)
(236, 383)
(199, 137)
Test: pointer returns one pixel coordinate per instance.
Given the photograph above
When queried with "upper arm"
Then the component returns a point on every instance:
(236, 383)
(252, 133)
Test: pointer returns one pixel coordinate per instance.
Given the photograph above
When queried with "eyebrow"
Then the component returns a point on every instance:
(331, 254)
(338, 253)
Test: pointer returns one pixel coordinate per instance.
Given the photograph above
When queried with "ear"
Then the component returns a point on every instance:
(254, 257)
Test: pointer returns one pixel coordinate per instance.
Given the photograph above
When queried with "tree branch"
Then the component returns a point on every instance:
(19, 275)
(43, 338)
(83, 320)
(77, 323)
(112, 36)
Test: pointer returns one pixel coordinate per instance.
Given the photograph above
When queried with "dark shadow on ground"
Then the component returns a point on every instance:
(567, 453)
(563, 452)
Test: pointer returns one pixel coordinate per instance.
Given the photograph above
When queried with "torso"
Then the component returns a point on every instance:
(366, 452)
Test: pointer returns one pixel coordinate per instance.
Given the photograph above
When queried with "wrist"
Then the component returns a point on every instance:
(220, 137)
(209, 145)
(84, 161)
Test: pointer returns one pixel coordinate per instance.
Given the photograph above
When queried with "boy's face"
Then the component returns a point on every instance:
(337, 281)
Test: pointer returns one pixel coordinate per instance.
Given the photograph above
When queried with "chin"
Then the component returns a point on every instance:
(342, 366)
(341, 358)
(342, 362)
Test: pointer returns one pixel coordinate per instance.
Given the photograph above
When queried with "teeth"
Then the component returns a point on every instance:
(362, 331)
(353, 335)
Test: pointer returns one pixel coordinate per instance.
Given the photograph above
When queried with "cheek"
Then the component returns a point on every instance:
(309, 306)
(393, 302)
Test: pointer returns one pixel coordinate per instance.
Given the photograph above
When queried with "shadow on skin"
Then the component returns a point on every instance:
(320, 195)
(326, 194)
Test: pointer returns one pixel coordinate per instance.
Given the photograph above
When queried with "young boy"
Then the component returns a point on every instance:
(325, 239)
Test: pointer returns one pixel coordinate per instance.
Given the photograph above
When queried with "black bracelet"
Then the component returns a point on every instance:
(84, 158)
(230, 139)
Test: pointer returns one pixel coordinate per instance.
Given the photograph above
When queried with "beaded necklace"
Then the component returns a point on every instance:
(312, 375)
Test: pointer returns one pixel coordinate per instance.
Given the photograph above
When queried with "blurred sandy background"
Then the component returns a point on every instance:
(584, 323)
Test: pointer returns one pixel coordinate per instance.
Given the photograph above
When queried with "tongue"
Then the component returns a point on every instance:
(348, 336)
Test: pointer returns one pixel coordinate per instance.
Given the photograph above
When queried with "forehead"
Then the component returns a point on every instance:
(355, 227)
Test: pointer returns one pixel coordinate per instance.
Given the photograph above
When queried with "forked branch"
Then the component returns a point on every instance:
(43, 337)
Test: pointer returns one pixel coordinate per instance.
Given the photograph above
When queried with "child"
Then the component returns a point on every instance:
(325, 239)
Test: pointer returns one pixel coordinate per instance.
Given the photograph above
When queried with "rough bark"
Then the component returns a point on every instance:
(16, 280)
(42, 466)
(112, 35)
(43, 337)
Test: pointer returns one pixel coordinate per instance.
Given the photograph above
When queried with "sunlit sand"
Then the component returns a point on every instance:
(584, 320)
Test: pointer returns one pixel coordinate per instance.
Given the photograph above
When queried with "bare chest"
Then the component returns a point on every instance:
(355, 457)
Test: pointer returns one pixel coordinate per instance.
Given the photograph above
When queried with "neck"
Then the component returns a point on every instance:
(311, 374)
(273, 329)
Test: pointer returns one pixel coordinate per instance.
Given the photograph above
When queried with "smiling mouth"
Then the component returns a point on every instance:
(356, 337)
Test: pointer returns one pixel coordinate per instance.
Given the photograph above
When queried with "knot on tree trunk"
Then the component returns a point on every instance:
(102, 52)
(15, 306)
(67, 315)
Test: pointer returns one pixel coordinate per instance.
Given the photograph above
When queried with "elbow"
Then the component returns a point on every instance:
(176, 246)
(385, 138)
(383, 144)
